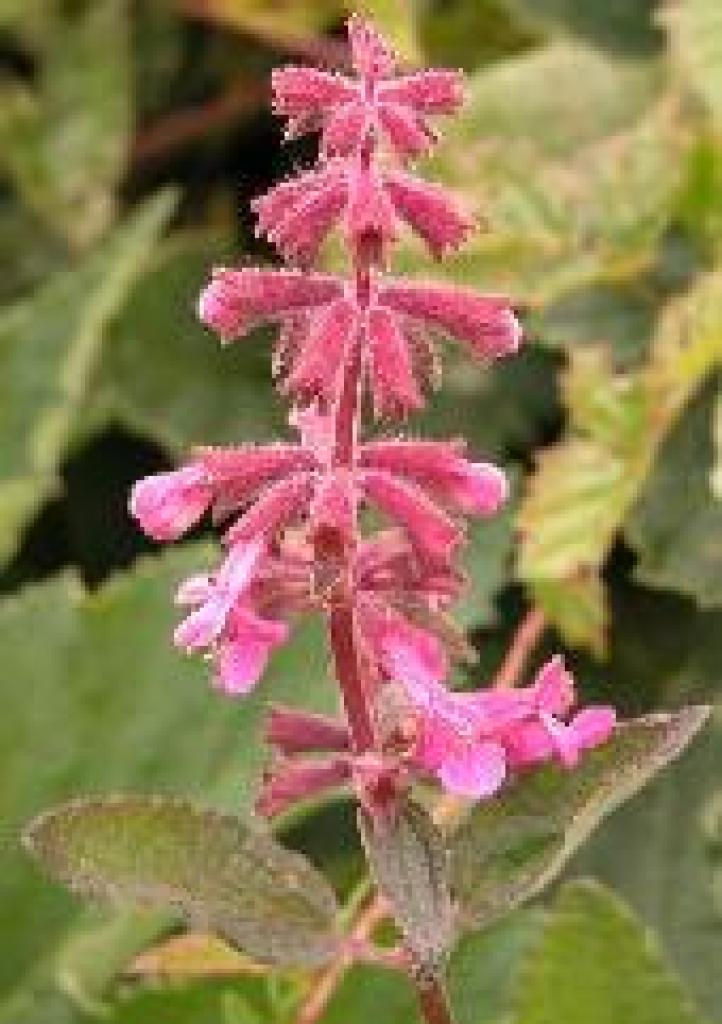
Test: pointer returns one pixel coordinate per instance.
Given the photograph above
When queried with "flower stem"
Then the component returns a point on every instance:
(434, 1004)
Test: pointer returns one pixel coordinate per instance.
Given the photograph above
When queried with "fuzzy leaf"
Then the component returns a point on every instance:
(211, 867)
(510, 847)
(409, 862)
(596, 964)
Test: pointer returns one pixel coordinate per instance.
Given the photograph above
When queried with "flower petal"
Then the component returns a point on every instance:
(475, 771)
(235, 300)
(395, 391)
(371, 55)
(485, 322)
(429, 210)
(434, 535)
(276, 507)
(318, 367)
(166, 505)
(299, 91)
(407, 132)
(434, 91)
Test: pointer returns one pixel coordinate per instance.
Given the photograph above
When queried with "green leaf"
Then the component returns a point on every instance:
(662, 852)
(105, 702)
(49, 344)
(676, 526)
(481, 976)
(549, 101)
(585, 486)
(167, 376)
(596, 964)
(66, 146)
(510, 847)
(211, 867)
(625, 26)
(409, 862)
(695, 29)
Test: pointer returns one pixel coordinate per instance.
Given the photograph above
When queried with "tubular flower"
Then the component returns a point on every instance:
(472, 741)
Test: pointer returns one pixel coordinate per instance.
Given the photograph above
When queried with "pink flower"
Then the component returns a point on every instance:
(297, 215)
(224, 622)
(476, 488)
(471, 741)
(347, 110)
(167, 504)
(322, 320)
(237, 300)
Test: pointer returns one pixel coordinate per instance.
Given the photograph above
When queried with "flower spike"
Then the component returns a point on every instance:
(300, 516)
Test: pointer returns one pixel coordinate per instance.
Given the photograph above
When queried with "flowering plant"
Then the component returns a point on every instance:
(364, 527)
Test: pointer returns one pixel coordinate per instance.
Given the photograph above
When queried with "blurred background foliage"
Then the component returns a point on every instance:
(132, 137)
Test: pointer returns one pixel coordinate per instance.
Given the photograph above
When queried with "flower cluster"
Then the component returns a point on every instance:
(296, 514)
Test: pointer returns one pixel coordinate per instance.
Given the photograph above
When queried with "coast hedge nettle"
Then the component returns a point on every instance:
(355, 518)
(293, 511)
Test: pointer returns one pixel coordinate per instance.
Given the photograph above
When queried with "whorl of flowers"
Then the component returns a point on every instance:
(292, 510)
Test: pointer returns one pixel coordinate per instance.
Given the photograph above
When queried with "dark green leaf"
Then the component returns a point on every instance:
(595, 964)
(49, 345)
(676, 526)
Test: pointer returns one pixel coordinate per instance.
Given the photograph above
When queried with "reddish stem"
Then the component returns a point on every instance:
(434, 1004)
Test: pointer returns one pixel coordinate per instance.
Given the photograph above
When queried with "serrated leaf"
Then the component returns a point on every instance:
(511, 846)
(65, 146)
(105, 703)
(696, 36)
(49, 344)
(211, 867)
(586, 485)
(409, 862)
(596, 964)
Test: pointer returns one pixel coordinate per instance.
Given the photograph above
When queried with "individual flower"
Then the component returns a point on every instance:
(472, 741)
(168, 504)
(322, 321)
(377, 102)
(223, 621)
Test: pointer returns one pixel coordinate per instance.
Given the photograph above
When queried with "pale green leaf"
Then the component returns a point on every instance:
(65, 145)
(596, 964)
(696, 35)
(662, 851)
(215, 870)
(409, 862)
